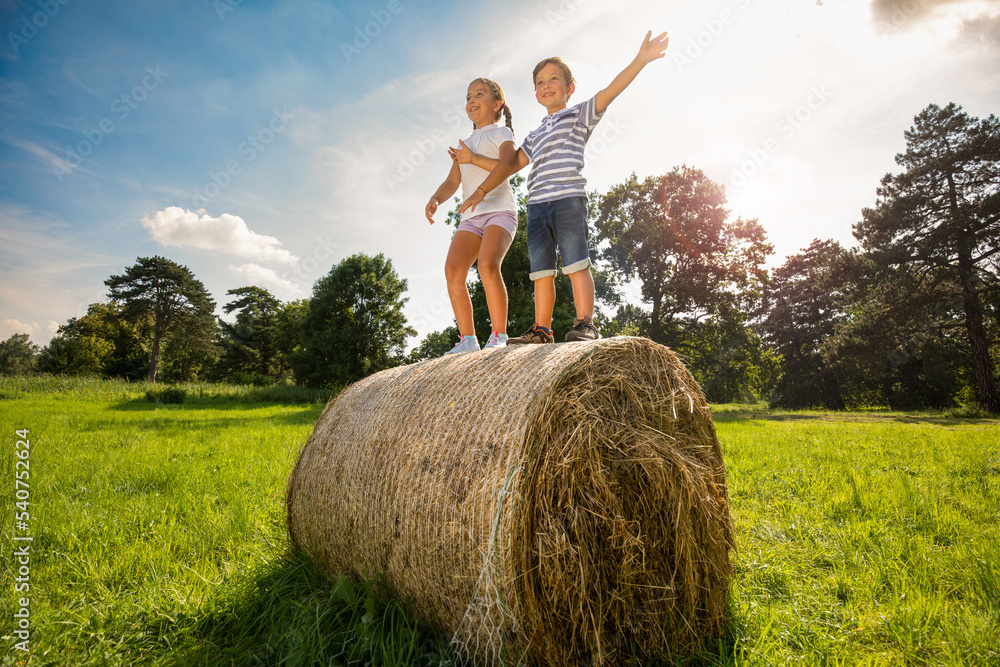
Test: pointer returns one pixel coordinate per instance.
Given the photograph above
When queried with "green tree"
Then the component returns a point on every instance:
(250, 347)
(354, 325)
(700, 273)
(906, 358)
(806, 299)
(940, 219)
(191, 350)
(18, 355)
(129, 357)
(288, 328)
(165, 294)
(101, 342)
(434, 344)
(729, 359)
(76, 350)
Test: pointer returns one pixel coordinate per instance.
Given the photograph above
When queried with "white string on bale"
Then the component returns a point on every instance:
(543, 504)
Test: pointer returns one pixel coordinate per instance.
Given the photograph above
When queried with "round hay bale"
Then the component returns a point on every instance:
(544, 504)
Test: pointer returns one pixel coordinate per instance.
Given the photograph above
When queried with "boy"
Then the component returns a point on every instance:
(557, 197)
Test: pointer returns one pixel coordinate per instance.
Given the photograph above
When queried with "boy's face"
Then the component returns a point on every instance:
(551, 89)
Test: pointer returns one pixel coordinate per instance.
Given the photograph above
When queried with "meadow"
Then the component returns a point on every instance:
(157, 536)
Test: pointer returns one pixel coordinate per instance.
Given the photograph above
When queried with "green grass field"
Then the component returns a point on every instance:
(158, 537)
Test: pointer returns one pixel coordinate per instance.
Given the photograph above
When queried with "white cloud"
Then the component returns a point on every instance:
(174, 226)
(59, 166)
(38, 334)
(946, 20)
(10, 327)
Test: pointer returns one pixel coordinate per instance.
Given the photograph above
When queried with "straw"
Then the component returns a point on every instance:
(545, 504)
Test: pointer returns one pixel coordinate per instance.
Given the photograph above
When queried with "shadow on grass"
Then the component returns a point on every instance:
(287, 612)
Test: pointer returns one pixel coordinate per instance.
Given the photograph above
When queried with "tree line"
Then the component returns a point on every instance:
(907, 319)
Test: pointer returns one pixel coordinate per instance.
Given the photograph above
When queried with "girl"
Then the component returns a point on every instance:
(486, 234)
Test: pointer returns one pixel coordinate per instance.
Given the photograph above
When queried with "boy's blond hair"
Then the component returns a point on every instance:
(555, 61)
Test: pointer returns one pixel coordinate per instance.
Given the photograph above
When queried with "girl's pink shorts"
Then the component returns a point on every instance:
(478, 223)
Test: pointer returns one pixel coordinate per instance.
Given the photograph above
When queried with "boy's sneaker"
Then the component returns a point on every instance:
(535, 334)
(467, 344)
(496, 340)
(583, 329)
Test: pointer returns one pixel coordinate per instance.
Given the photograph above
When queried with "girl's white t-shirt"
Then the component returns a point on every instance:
(486, 141)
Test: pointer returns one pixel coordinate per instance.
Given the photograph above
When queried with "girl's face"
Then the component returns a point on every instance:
(480, 105)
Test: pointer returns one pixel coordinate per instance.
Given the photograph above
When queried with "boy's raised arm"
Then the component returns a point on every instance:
(651, 49)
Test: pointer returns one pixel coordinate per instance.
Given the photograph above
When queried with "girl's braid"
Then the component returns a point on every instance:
(507, 116)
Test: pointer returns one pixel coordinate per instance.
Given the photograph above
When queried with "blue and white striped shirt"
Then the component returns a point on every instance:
(555, 150)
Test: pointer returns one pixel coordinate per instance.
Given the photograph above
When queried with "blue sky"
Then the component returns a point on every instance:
(262, 142)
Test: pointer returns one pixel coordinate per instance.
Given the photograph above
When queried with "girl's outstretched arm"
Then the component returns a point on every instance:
(445, 190)
(511, 161)
(651, 49)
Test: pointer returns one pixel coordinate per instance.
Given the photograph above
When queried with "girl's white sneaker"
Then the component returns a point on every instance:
(496, 340)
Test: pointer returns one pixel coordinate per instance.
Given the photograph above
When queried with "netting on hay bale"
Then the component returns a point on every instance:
(542, 504)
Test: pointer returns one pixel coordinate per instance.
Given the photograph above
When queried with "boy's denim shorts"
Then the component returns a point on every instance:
(560, 224)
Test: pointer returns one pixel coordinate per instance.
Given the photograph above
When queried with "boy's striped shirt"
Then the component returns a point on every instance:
(555, 150)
